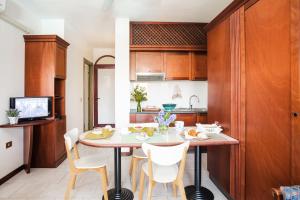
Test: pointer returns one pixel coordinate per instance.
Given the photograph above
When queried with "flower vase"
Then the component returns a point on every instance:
(163, 129)
(139, 107)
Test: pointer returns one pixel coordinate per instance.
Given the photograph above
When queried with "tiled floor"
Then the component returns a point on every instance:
(50, 184)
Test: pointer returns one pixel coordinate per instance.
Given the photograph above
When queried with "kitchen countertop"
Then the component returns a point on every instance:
(176, 111)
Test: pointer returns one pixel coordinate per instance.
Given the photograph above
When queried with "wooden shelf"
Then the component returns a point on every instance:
(27, 123)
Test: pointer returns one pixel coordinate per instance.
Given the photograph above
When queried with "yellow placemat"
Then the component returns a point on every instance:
(103, 135)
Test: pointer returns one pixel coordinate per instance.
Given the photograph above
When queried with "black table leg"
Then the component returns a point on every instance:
(194, 192)
(118, 192)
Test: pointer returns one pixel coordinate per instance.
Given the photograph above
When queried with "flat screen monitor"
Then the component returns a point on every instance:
(32, 107)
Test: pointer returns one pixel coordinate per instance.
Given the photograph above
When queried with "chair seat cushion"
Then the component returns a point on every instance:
(89, 162)
(162, 174)
(138, 153)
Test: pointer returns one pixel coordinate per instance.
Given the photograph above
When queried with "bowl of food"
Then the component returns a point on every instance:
(169, 106)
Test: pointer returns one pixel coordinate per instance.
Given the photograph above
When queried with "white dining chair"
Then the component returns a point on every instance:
(137, 155)
(82, 164)
(162, 167)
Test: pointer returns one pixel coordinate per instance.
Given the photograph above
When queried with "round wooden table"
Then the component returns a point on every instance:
(119, 140)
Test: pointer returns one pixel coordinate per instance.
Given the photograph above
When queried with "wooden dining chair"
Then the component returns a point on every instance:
(162, 167)
(82, 164)
(137, 155)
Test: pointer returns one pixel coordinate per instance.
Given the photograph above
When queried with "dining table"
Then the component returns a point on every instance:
(122, 138)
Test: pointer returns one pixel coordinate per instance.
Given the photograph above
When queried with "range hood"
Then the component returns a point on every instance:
(143, 76)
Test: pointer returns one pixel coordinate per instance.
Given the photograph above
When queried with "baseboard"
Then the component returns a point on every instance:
(11, 174)
(220, 188)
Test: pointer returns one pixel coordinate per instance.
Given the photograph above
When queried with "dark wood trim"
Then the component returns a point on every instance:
(96, 67)
(229, 10)
(250, 3)
(11, 174)
(105, 56)
(46, 38)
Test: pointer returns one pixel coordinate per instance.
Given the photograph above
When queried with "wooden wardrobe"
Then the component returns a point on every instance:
(254, 92)
(45, 75)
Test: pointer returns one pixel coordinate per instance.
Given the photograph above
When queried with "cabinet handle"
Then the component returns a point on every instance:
(295, 114)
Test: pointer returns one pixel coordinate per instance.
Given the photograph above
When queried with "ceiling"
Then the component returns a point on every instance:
(94, 19)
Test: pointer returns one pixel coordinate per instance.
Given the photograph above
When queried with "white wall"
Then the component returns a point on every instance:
(98, 52)
(162, 91)
(53, 26)
(77, 50)
(122, 84)
(12, 84)
(12, 68)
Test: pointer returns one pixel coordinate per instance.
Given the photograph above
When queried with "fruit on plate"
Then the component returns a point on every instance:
(193, 132)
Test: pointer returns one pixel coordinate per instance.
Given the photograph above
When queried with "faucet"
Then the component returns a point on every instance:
(190, 100)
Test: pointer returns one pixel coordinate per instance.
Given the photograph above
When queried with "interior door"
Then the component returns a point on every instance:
(295, 71)
(105, 96)
(268, 102)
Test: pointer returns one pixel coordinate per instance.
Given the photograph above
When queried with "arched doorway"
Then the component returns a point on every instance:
(104, 91)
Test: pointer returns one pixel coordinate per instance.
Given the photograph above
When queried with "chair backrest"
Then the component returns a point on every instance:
(71, 137)
(165, 156)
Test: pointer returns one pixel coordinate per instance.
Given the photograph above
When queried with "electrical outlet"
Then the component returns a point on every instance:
(8, 144)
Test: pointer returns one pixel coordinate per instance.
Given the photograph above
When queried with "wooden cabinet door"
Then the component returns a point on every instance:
(60, 129)
(268, 82)
(202, 118)
(219, 98)
(60, 67)
(177, 65)
(199, 66)
(133, 66)
(189, 119)
(132, 118)
(149, 62)
(295, 70)
(144, 118)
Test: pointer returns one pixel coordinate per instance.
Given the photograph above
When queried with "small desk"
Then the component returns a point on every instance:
(28, 138)
(171, 138)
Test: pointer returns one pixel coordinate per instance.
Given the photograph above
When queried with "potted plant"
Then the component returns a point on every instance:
(139, 94)
(13, 116)
(164, 119)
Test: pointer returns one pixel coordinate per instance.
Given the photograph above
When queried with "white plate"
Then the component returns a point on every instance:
(142, 138)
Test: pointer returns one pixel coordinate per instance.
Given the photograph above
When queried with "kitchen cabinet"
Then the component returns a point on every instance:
(142, 118)
(199, 66)
(60, 67)
(202, 118)
(149, 62)
(177, 65)
(190, 119)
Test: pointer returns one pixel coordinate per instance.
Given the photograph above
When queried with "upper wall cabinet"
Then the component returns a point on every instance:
(172, 36)
(60, 67)
(151, 62)
(199, 66)
(177, 65)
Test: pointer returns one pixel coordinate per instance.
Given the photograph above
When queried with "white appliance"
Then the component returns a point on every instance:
(2, 5)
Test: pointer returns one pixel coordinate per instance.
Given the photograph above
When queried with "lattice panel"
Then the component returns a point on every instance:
(167, 34)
